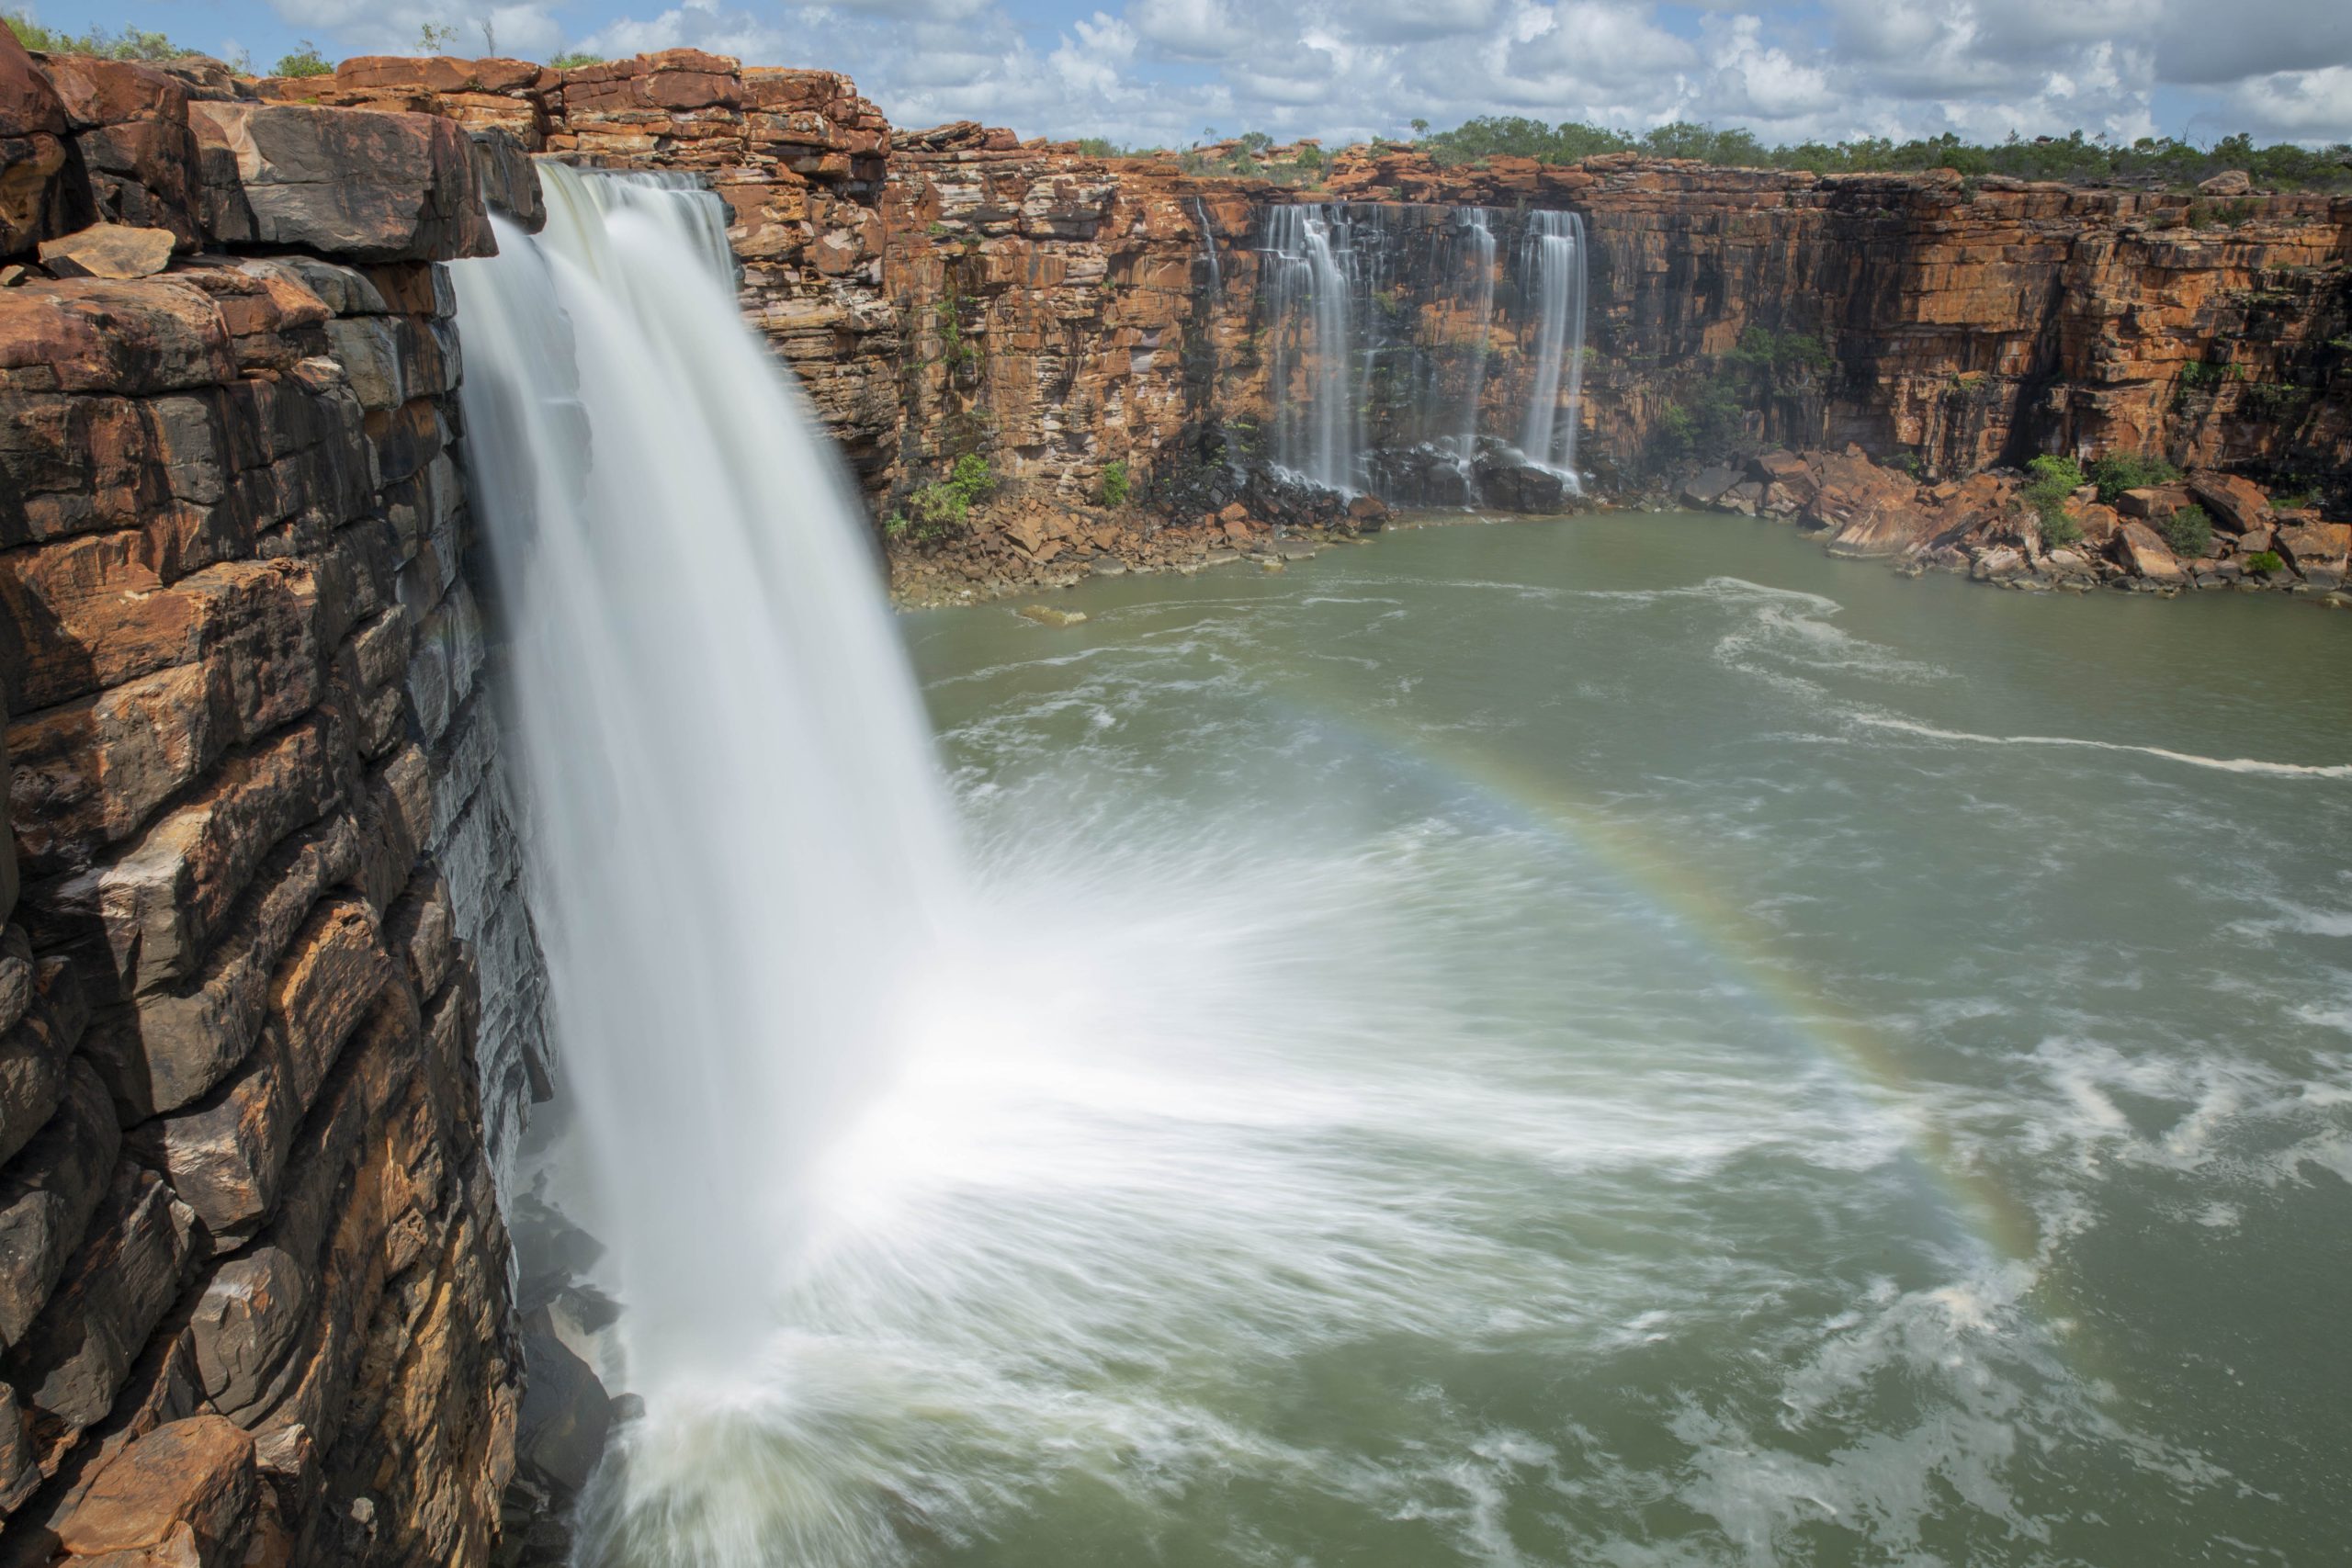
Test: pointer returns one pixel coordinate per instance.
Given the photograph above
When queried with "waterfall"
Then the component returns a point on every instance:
(1313, 385)
(1208, 249)
(735, 830)
(1557, 261)
(1481, 238)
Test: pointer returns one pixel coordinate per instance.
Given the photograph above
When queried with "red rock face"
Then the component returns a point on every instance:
(241, 1004)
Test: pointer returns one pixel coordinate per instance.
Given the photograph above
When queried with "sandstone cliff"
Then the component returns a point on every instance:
(958, 289)
(267, 990)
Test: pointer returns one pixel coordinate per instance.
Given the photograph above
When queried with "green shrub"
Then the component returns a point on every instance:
(2049, 482)
(573, 62)
(2189, 532)
(1114, 482)
(939, 508)
(2265, 560)
(128, 44)
(1782, 357)
(1907, 463)
(304, 61)
(2120, 472)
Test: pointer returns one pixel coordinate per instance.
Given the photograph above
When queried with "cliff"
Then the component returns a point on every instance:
(268, 1006)
(269, 995)
(958, 289)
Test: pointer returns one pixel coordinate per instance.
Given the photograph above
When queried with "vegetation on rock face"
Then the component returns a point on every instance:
(130, 43)
(2189, 531)
(2265, 561)
(1115, 483)
(2120, 472)
(2150, 160)
(936, 510)
(573, 62)
(304, 61)
(2050, 482)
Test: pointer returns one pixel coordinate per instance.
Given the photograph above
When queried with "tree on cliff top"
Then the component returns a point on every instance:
(2150, 160)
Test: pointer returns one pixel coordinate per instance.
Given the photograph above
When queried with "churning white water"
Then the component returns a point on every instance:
(735, 828)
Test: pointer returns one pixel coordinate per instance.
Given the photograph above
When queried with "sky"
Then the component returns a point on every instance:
(1170, 72)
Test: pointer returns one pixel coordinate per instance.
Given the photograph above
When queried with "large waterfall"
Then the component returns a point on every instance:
(1399, 337)
(734, 826)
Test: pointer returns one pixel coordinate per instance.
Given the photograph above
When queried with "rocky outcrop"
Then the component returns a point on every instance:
(1983, 526)
(798, 156)
(269, 993)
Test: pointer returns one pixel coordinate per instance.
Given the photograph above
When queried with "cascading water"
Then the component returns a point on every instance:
(678, 559)
(1556, 263)
(1381, 321)
(1306, 287)
(1480, 238)
(1208, 249)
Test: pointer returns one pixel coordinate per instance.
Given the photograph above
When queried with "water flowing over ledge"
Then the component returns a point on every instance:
(1408, 347)
(701, 668)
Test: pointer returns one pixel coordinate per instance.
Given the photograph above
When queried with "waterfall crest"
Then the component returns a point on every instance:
(728, 856)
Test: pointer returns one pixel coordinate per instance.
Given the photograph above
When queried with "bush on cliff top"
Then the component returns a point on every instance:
(128, 44)
(304, 61)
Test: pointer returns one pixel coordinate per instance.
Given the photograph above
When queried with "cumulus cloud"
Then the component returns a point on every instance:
(1159, 72)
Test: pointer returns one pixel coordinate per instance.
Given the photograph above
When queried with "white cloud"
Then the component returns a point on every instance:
(1193, 30)
(1157, 72)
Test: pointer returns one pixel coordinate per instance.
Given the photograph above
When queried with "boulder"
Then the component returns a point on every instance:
(1707, 486)
(132, 143)
(32, 147)
(108, 250)
(2152, 503)
(351, 184)
(566, 1415)
(2138, 548)
(2319, 551)
(2235, 504)
(187, 1484)
(2229, 182)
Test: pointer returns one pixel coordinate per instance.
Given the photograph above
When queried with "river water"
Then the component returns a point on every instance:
(1620, 1040)
(1611, 1041)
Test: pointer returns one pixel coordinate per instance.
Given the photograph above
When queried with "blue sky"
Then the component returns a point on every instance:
(1163, 72)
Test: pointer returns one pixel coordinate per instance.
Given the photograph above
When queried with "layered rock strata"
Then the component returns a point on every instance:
(958, 291)
(269, 993)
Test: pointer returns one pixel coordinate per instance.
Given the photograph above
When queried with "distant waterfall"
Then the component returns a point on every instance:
(1314, 345)
(1556, 262)
(1480, 238)
(736, 832)
(1208, 248)
(1380, 323)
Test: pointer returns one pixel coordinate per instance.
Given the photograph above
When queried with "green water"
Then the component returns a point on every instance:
(1861, 1101)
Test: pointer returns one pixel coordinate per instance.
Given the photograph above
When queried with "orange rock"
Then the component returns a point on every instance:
(194, 1476)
